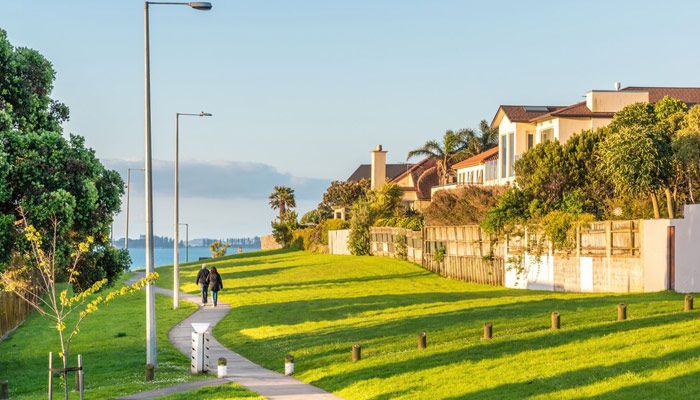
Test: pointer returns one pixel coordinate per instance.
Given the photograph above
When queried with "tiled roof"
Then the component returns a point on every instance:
(574, 110)
(689, 95)
(392, 171)
(522, 114)
(423, 182)
(481, 158)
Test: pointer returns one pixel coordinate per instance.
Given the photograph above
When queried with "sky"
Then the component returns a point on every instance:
(301, 91)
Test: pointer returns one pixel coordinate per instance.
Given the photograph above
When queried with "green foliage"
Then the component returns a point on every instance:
(386, 200)
(400, 246)
(560, 228)
(110, 260)
(218, 249)
(461, 207)
(439, 255)
(343, 194)
(303, 239)
(311, 217)
(512, 209)
(283, 228)
(282, 199)
(332, 225)
(414, 223)
(45, 173)
(360, 222)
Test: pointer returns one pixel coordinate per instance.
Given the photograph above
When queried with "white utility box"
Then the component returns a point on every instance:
(200, 349)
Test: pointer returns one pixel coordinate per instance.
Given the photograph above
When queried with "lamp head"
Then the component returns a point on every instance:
(203, 114)
(200, 5)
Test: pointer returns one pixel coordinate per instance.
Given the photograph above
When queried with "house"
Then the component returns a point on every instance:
(473, 171)
(416, 180)
(522, 127)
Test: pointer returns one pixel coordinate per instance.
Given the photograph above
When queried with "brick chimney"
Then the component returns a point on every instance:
(378, 174)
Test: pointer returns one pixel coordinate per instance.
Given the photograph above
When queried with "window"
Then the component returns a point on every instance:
(502, 156)
(511, 152)
(530, 140)
(546, 134)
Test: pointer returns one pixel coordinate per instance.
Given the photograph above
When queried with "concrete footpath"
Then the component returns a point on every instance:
(269, 384)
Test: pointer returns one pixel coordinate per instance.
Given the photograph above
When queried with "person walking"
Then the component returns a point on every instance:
(215, 284)
(203, 281)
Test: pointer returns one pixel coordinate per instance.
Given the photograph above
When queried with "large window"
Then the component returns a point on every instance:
(511, 152)
(530, 140)
(502, 156)
(546, 134)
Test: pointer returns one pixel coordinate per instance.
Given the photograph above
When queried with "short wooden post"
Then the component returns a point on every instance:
(82, 376)
(50, 375)
(688, 302)
(356, 352)
(150, 372)
(556, 322)
(621, 312)
(240, 249)
(488, 330)
(421, 341)
(4, 389)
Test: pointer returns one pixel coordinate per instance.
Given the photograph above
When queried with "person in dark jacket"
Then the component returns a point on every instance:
(215, 284)
(203, 281)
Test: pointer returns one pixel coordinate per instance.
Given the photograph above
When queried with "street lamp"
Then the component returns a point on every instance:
(150, 292)
(176, 244)
(187, 242)
(128, 191)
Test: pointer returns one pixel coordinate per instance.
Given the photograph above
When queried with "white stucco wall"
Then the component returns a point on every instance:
(654, 253)
(688, 250)
(532, 274)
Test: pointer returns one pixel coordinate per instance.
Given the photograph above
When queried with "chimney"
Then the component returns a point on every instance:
(378, 173)
(617, 85)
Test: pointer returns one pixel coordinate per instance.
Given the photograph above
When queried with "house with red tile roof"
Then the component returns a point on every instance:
(522, 127)
(472, 171)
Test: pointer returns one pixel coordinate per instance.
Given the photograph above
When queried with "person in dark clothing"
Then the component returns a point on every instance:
(215, 284)
(203, 281)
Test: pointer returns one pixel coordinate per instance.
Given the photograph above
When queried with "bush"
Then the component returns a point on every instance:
(303, 239)
(362, 217)
(332, 225)
(461, 207)
(414, 223)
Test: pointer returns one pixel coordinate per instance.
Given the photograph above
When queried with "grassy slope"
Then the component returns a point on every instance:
(225, 392)
(316, 306)
(114, 365)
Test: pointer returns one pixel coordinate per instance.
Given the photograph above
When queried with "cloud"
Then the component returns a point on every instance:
(220, 179)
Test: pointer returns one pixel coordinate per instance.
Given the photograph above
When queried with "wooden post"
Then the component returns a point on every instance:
(688, 302)
(421, 341)
(356, 352)
(82, 376)
(150, 372)
(621, 312)
(488, 330)
(671, 250)
(556, 321)
(50, 375)
(4, 389)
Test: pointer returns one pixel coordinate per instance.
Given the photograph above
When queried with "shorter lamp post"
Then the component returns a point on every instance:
(187, 242)
(128, 193)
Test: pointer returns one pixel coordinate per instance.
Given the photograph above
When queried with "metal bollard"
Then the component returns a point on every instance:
(150, 372)
(421, 341)
(356, 352)
(688, 302)
(488, 331)
(621, 312)
(556, 321)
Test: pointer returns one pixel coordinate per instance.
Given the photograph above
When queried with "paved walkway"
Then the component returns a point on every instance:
(270, 384)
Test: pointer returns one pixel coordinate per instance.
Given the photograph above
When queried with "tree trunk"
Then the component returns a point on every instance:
(669, 203)
(655, 204)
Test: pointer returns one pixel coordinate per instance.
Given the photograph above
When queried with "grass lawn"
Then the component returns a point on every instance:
(316, 306)
(231, 391)
(112, 342)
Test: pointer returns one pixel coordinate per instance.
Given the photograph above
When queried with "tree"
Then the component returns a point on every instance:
(637, 161)
(282, 199)
(218, 249)
(386, 200)
(467, 205)
(488, 137)
(361, 220)
(342, 194)
(455, 146)
(283, 228)
(46, 174)
(37, 282)
(312, 217)
(686, 148)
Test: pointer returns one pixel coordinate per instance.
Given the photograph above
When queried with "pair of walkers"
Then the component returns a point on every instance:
(209, 281)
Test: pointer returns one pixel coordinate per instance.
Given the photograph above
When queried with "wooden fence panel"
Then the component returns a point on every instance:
(13, 311)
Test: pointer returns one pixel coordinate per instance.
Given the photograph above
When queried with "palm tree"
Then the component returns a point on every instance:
(488, 138)
(455, 147)
(282, 199)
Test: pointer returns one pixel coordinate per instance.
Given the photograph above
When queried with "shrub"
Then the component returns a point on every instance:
(362, 217)
(460, 207)
(332, 225)
(303, 239)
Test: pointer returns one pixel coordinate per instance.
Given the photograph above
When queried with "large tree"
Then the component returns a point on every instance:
(282, 199)
(455, 146)
(343, 194)
(47, 174)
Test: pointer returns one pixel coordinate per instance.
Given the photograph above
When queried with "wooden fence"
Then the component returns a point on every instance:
(470, 254)
(390, 242)
(13, 310)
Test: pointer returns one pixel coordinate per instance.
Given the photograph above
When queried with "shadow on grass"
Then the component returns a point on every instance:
(495, 349)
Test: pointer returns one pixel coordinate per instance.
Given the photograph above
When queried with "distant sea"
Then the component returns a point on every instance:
(164, 256)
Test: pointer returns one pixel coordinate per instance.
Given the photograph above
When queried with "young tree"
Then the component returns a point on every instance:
(282, 199)
(361, 220)
(686, 148)
(38, 283)
(386, 200)
(218, 249)
(343, 194)
(284, 226)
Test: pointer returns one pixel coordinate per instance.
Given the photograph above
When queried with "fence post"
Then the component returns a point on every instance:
(50, 375)
(688, 302)
(488, 331)
(421, 340)
(556, 320)
(150, 372)
(4, 389)
(621, 312)
(356, 352)
(82, 376)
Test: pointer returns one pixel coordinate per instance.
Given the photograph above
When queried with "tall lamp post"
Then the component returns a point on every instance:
(128, 191)
(187, 242)
(176, 244)
(150, 292)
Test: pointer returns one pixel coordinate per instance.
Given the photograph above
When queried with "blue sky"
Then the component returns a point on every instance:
(302, 90)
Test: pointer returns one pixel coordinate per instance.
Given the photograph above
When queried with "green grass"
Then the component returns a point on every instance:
(316, 306)
(231, 391)
(112, 342)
